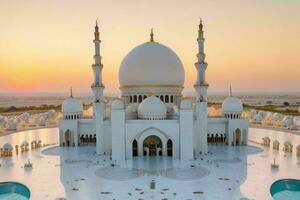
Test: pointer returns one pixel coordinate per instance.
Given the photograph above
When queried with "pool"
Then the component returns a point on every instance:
(285, 189)
(14, 191)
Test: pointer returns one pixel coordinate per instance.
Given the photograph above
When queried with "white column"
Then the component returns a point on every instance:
(118, 134)
(201, 115)
(186, 133)
(99, 112)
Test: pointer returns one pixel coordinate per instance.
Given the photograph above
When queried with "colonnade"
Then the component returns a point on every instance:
(216, 138)
(138, 98)
(72, 116)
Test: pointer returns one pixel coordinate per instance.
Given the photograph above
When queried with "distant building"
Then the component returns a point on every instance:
(151, 118)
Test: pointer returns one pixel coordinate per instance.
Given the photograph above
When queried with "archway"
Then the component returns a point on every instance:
(170, 147)
(237, 136)
(68, 137)
(134, 148)
(152, 146)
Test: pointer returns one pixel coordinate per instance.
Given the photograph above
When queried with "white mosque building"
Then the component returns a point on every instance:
(152, 118)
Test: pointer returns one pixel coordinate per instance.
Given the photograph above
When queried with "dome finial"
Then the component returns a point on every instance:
(71, 92)
(151, 36)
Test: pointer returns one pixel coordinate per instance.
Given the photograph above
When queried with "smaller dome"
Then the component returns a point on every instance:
(287, 143)
(7, 146)
(232, 105)
(152, 108)
(185, 104)
(117, 105)
(275, 142)
(72, 105)
(24, 143)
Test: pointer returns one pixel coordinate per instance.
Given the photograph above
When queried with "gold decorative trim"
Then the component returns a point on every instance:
(151, 86)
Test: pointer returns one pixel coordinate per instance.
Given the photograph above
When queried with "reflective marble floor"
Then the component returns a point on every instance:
(78, 173)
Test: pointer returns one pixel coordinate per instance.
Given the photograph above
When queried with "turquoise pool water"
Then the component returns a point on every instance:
(14, 191)
(286, 189)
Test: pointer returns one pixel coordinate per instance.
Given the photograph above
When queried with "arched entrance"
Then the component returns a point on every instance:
(237, 136)
(68, 138)
(134, 148)
(152, 146)
(170, 147)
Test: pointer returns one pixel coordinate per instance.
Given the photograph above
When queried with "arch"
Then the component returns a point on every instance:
(162, 98)
(152, 131)
(167, 98)
(170, 148)
(222, 138)
(134, 99)
(212, 138)
(152, 146)
(172, 99)
(134, 148)
(140, 98)
(130, 99)
(68, 138)
(95, 138)
(144, 97)
(237, 136)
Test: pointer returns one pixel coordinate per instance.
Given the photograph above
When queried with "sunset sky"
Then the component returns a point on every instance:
(46, 46)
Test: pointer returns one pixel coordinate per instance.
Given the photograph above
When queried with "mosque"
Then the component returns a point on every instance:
(151, 118)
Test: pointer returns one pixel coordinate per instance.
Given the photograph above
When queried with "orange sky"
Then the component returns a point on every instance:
(46, 46)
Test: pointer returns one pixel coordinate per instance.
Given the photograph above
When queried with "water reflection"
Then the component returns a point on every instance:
(46, 135)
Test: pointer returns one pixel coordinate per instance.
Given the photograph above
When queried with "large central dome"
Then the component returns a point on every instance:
(151, 65)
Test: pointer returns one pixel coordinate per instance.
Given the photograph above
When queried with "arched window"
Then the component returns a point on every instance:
(172, 99)
(167, 98)
(170, 147)
(134, 148)
(144, 97)
(140, 98)
(162, 98)
(130, 99)
(134, 99)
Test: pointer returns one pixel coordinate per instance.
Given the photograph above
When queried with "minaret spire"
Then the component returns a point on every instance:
(151, 35)
(96, 33)
(200, 31)
(201, 85)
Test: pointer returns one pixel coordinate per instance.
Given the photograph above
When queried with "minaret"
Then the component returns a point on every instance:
(201, 85)
(200, 136)
(71, 92)
(98, 87)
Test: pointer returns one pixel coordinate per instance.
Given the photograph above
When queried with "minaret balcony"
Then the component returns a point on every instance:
(97, 66)
(97, 85)
(201, 85)
(96, 41)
